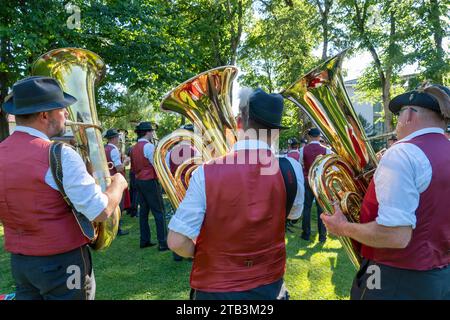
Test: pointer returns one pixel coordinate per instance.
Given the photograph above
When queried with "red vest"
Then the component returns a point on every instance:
(310, 153)
(241, 243)
(111, 166)
(141, 165)
(430, 243)
(36, 219)
(295, 154)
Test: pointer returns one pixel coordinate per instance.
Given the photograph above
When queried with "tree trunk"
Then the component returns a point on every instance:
(438, 33)
(324, 15)
(385, 75)
(235, 34)
(386, 99)
(4, 83)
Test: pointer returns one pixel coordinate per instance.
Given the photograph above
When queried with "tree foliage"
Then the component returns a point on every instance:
(151, 46)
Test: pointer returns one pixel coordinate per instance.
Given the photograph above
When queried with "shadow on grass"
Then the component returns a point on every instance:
(317, 270)
(124, 271)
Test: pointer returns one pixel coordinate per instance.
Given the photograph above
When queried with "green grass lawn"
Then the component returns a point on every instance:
(124, 271)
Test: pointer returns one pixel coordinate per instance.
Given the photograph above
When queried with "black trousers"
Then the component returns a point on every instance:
(150, 198)
(306, 221)
(273, 291)
(133, 195)
(66, 276)
(400, 284)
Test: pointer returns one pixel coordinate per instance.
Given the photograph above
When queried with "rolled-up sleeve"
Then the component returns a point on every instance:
(189, 216)
(115, 157)
(80, 186)
(403, 173)
(149, 150)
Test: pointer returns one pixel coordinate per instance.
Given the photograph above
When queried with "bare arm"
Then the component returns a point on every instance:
(180, 244)
(378, 236)
(114, 193)
(371, 234)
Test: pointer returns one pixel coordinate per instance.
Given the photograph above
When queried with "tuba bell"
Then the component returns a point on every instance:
(77, 71)
(345, 175)
(206, 101)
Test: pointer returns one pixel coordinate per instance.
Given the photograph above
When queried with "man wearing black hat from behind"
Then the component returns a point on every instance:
(50, 258)
(115, 165)
(150, 197)
(405, 216)
(293, 151)
(308, 154)
(232, 219)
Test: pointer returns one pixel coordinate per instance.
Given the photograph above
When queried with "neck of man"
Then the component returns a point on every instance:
(419, 126)
(253, 134)
(38, 127)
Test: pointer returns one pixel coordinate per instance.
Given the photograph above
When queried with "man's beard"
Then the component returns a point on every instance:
(56, 131)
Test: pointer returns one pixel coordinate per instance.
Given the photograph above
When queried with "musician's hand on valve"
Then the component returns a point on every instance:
(120, 180)
(126, 161)
(336, 222)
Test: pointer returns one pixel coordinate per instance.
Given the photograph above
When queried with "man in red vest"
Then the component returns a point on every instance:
(405, 216)
(308, 154)
(232, 219)
(133, 188)
(50, 258)
(114, 160)
(293, 151)
(150, 197)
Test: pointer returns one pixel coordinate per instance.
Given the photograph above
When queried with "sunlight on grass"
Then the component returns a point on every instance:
(124, 271)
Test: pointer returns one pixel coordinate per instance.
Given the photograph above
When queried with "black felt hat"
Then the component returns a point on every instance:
(189, 127)
(292, 141)
(144, 126)
(111, 133)
(418, 98)
(314, 132)
(36, 94)
(266, 109)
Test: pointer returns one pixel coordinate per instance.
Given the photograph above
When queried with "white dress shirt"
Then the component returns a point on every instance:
(403, 174)
(149, 149)
(79, 185)
(328, 151)
(190, 214)
(115, 155)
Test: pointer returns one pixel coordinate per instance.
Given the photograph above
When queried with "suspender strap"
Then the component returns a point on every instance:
(56, 169)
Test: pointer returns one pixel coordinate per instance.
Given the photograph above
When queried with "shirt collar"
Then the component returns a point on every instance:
(32, 131)
(422, 132)
(250, 145)
(143, 140)
(314, 142)
(113, 145)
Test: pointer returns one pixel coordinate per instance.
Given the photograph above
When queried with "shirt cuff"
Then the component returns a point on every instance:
(97, 208)
(179, 226)
(393, 217)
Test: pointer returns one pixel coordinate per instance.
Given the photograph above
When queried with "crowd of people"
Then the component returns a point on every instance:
(232, 220)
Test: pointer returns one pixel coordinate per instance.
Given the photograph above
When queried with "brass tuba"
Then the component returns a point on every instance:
(78, 70)
(345, 175)
(206, 101)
